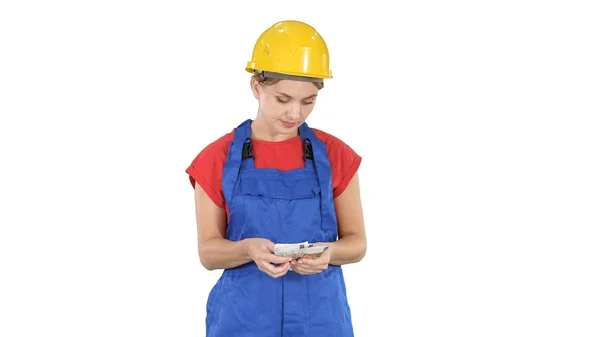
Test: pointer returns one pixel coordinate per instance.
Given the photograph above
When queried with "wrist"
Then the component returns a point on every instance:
(331, 250)
(245, 249)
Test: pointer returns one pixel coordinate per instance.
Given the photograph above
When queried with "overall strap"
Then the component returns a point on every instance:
(315, 147)
(235, 156)
(315, 153)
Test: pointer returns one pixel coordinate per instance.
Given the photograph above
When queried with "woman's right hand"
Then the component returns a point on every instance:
(262, 251)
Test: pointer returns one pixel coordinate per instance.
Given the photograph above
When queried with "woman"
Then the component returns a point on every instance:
(275, 180)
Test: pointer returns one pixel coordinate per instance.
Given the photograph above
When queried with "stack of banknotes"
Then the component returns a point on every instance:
(299, 250)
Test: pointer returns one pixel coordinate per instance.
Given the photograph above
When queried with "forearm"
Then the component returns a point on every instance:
(349, 249)
(218, 253)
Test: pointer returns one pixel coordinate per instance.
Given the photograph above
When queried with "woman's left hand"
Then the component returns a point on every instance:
(306, 266)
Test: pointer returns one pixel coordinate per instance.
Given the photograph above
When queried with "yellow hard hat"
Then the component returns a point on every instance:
(291, 48)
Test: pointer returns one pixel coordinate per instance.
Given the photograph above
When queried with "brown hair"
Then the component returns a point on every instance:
(271, 81)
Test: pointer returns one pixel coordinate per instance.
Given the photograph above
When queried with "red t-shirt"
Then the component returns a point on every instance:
(207, 166)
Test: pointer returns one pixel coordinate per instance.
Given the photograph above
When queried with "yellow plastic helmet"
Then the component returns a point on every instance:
(291, 49)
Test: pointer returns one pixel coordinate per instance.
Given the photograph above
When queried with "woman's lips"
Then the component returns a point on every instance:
(288, 124)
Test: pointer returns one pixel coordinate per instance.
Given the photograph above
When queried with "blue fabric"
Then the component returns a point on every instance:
(284, 207)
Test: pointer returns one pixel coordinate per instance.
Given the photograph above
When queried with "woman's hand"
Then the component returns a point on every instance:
(262, 251)
(306, 266)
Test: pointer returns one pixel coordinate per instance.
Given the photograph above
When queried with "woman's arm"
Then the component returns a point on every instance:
(214, 250)
(351, 246)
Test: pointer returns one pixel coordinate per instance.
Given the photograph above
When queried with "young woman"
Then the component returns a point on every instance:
(274, 180)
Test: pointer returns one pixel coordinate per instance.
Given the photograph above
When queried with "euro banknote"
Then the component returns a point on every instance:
(300, 250)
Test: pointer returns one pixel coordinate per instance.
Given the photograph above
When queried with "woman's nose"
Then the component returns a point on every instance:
(295, 111)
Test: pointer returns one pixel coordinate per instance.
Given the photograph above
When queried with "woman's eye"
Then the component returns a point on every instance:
(280, 100)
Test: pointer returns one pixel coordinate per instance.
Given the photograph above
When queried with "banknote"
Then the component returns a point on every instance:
(299, 250)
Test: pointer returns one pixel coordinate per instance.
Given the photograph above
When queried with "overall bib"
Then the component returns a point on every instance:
(284, 207)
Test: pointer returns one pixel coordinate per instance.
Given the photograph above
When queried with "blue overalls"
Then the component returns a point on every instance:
(284, 207)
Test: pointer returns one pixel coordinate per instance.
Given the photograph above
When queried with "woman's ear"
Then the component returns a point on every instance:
(255, 86)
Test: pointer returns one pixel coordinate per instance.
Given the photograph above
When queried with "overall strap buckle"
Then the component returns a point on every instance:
(308, 150)
(247, 149)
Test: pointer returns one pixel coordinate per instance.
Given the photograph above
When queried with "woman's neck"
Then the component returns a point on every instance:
(262, 131)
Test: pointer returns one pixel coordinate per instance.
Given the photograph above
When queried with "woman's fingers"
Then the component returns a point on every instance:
(281, 270)
(317, 262)
(276, 259)
(274, 271)
(302, 271)
(308, 266)
(277, 266)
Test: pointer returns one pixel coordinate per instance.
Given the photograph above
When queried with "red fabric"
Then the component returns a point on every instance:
(207, 166)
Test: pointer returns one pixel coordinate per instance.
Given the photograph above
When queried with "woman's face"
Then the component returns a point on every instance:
(285, 105)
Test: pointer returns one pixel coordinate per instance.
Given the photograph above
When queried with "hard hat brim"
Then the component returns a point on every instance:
(271, 74)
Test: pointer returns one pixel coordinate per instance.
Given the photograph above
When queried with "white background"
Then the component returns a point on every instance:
(477, 121)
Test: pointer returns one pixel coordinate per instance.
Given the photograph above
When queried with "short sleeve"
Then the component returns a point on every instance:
(343, 159)
(207, 169)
